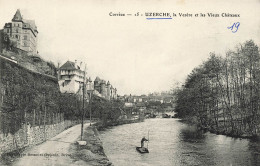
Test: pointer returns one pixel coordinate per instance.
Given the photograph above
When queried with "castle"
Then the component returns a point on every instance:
(23, 32)
(105, 89)
(71, 77)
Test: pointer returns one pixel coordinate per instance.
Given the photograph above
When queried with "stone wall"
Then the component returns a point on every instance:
(28, 136)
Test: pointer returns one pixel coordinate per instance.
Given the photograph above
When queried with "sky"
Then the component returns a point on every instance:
(137, 55)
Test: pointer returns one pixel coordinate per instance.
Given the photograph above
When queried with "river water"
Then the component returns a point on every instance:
(175, 143)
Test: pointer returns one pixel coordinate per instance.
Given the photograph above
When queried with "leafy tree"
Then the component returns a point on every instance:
(223, 93)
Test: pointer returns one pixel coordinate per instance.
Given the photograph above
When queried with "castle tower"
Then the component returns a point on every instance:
(103, 88)
(115, 94)
(108, 90)
(97, 84)
(23, 33)
(112, 92)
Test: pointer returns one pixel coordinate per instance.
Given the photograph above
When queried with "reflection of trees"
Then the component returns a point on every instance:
(191, 134)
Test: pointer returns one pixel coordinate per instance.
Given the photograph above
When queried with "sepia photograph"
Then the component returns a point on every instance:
(129, 83)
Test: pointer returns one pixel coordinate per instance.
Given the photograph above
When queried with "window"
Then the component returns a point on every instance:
(7, 30)
(25, 37)
(16, 30)
(25, 44)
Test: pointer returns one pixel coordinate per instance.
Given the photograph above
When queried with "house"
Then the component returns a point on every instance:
(71, 77)
(141, 106)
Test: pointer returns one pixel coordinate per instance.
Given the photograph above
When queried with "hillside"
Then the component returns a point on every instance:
(32, 62)
(25, 95)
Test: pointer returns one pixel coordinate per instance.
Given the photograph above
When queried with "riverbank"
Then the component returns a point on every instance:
(102, 126)
(220, 131)
(93, 152)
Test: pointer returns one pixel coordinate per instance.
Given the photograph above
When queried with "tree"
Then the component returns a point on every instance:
(223, 93)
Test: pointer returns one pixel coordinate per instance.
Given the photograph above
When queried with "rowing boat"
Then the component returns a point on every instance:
(142, 150)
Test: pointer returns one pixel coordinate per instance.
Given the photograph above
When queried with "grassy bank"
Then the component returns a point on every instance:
(92, 153)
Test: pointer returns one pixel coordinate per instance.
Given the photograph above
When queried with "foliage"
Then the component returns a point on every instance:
(223, 93)
(71, 106)
(106, 110)
(26, 97)
(6, 42)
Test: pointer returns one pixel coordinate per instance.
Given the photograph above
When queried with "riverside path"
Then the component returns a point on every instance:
(55, 151)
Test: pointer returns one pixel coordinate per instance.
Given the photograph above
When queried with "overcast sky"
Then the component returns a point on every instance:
(136, 55)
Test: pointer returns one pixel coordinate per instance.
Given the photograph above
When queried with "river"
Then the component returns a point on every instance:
(175, 143)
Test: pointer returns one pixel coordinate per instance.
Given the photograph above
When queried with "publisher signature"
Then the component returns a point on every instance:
(234, 27)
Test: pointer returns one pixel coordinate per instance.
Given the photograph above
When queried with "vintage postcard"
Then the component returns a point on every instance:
(145, 83)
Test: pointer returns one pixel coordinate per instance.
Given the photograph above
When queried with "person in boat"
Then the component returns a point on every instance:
(142, 141)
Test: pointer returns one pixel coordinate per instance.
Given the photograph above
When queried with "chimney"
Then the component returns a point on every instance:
(76, 64)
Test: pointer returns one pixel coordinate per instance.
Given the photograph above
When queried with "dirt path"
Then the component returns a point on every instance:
(53, 152)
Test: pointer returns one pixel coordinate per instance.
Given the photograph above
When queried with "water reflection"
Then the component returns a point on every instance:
(175, 143)
(191, 134)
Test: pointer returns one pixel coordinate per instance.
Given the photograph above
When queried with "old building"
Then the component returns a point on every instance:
(23, 32)
(105, 89)
(71, 77)
(113, 92)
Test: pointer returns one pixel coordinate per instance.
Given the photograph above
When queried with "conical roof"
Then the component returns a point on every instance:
(17, 16)
(97, 79)
(68, 66)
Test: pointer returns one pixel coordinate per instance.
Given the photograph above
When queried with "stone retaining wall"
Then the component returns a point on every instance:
(28, 135)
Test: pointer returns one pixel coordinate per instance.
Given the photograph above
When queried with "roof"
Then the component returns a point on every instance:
(31, 23)
(68, 66)
(140, 104)
(97, 79)
(17, 16)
